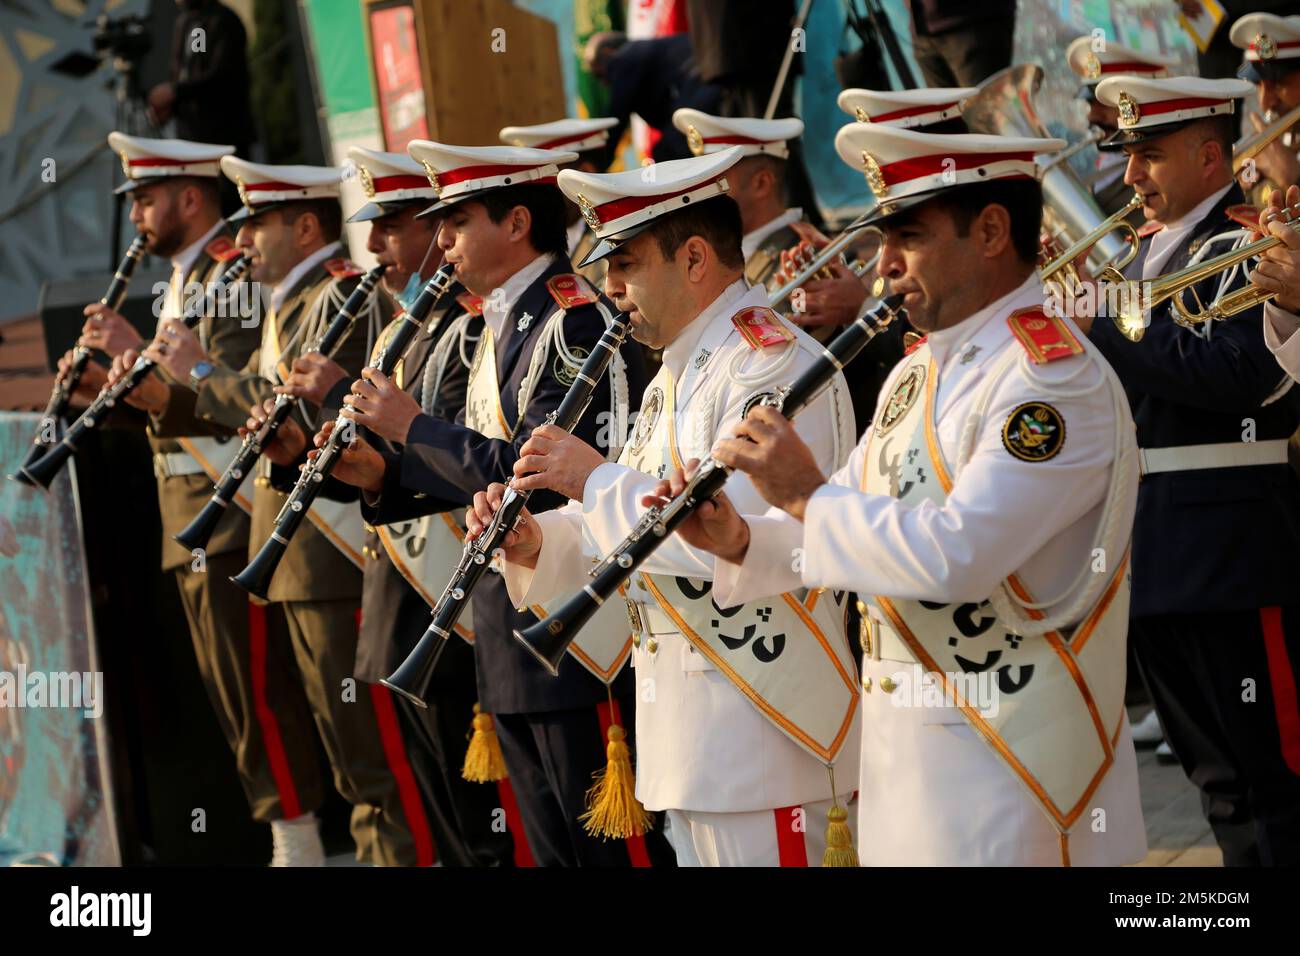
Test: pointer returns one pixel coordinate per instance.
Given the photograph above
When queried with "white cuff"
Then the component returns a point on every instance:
(771, 564)
(560, 565)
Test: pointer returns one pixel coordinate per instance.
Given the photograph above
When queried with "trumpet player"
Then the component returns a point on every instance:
(1271, 61)
(1217, 533)
(1094, 60)
(290, 226)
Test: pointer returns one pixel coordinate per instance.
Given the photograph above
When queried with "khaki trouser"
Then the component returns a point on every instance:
(248, 668)
(358, 726)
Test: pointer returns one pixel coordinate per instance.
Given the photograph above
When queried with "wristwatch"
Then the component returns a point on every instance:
(199, 372)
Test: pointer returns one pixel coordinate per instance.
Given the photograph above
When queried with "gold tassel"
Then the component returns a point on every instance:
(484, 762)
(612, 807)
(839, 839)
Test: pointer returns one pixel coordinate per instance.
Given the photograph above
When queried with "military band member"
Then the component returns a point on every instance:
(589, 138)
(1271, 61)
(1279, 272)
(993, 725)
(772, 231)
(731, 693)
(1217, 532)
(394, 602)
(247, 672)
(1092, 65)
(290, 225)
(502, 225)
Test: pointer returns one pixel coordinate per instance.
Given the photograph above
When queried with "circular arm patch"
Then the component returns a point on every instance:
(1034, 431)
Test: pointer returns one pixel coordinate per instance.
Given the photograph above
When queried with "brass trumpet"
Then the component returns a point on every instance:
(823, 259)
(1248, 147)
(1170, 288)
(1061, 268)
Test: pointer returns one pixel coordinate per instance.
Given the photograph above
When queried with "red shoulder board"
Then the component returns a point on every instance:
(1244, 213)
(1149, 228)
(912, 342)
(1046, 338)
(760, 327)
(343, 268)
(571, 289)
(471, 303)
(221, 249)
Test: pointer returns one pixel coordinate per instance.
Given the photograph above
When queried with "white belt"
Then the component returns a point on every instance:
(173, 464)
(1233, 454)
(879, 641)
(650, 619)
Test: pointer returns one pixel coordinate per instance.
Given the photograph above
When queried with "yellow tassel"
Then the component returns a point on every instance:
(484, 762)
(839, 840)
(612, 807)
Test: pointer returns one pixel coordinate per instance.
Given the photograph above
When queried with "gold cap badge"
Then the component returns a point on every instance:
(1129, 111)
(243, 192)
(367, 181)
(588, 212)
(694, 140)
(875, 177)
(1265, 46)
(433, 177)
(1092, 66)
(861, 115)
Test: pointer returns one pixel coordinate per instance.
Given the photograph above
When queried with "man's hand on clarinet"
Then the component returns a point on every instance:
(358, 463)
(286, 444)
(522, 544)
(715, 526)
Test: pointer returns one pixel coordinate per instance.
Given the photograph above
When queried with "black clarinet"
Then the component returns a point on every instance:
(44, 470)
(256, 578)
(61, 395)
(548, 640)
(198, 532)
(411, 679)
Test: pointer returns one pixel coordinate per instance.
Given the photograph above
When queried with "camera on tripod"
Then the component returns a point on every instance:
(125, 38)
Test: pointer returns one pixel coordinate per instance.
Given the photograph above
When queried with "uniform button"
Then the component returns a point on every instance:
(866, 684)
(888, 685)
(652, 645)
(636, 639)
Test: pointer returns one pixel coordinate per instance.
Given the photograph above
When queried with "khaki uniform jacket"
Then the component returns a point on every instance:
(312, 568)
(181, 497)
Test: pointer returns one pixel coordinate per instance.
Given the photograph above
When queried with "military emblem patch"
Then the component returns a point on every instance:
(645, 421)
(565, 373)
(1034, 431)
(904, 396)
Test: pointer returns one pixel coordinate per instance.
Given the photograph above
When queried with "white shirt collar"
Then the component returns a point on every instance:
(1164, 242)
(285, 285)
(500, 302)
(946, 343)
(752, 240)
(185, 259)
(725, 305)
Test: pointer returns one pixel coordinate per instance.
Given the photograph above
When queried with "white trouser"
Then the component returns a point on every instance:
(791, 836)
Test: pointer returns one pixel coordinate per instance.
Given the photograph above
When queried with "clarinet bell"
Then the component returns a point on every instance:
(411, 679)
(45, 468)
(548, 640)
(37, 452)
(256, 578)
(199, 532)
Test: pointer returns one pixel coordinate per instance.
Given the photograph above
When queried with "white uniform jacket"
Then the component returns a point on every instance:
(931, 792)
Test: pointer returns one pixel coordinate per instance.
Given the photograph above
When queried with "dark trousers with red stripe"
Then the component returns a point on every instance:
(551, 758)
(252, 680)
(1224, 685)
(465, 817)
